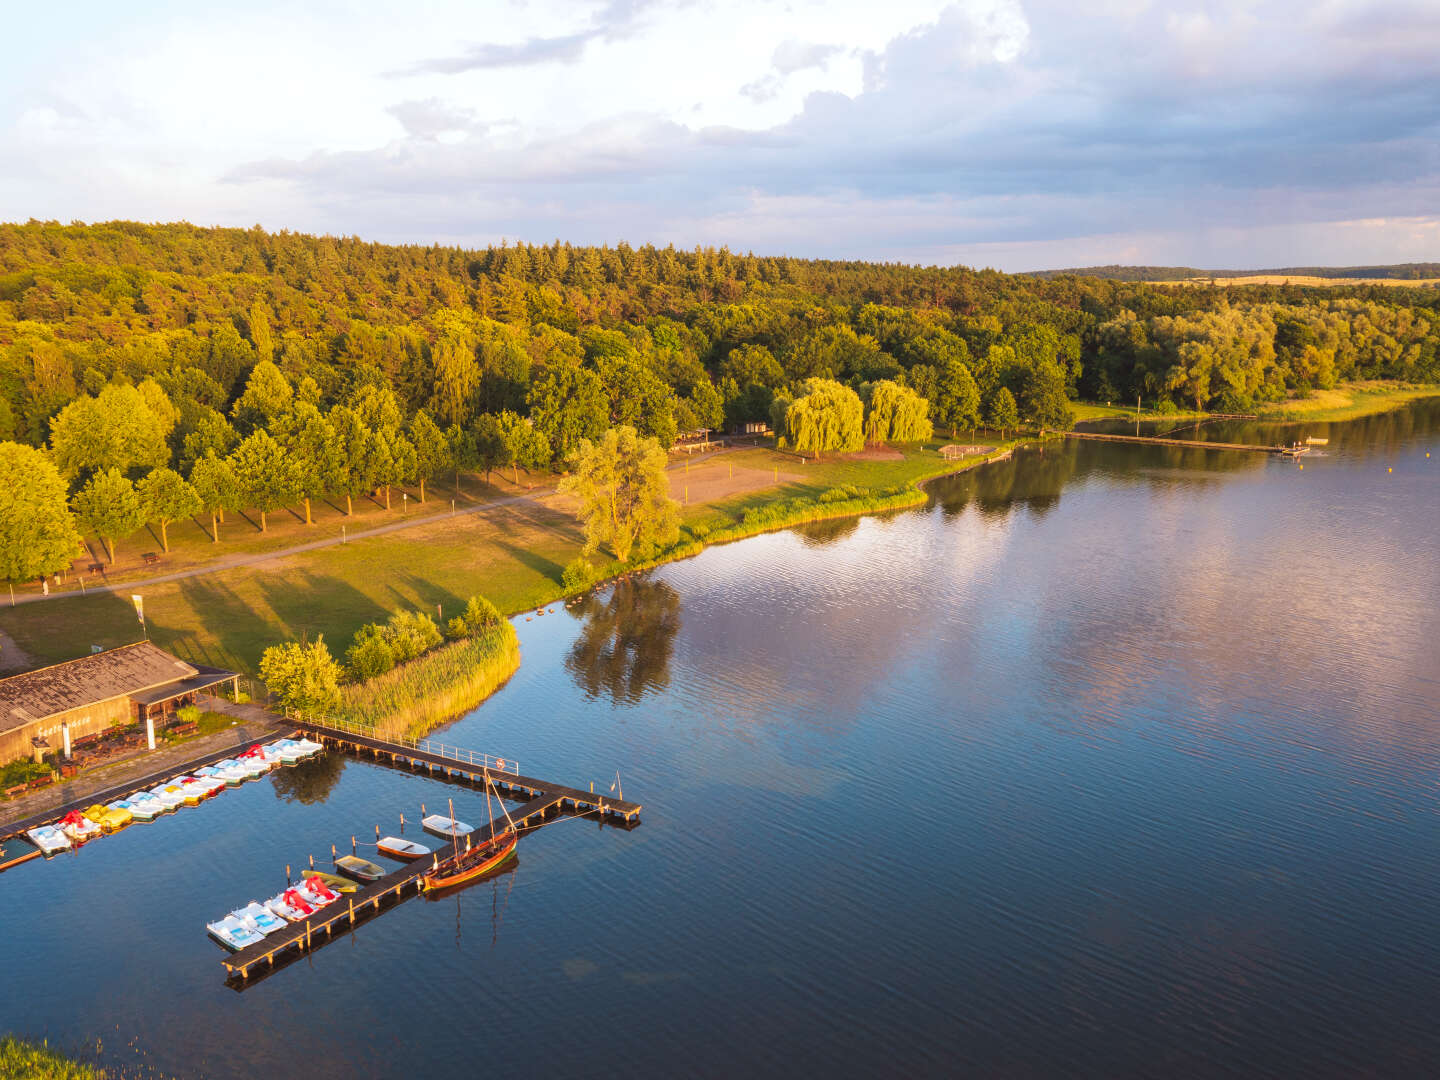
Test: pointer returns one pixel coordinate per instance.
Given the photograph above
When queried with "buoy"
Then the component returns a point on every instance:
(1389, 470)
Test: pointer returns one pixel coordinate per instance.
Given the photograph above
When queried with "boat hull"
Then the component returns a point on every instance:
(466, 866)
(394, 847)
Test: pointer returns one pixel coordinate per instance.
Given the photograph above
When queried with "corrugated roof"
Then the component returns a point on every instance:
(34, 695)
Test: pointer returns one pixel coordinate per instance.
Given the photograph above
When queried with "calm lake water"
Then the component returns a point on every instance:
(1113, 761)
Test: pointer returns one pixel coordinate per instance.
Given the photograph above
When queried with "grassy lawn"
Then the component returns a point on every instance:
(1348, 401)
(1093, 410)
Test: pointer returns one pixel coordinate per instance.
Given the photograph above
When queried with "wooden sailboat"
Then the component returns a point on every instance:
(474, 859)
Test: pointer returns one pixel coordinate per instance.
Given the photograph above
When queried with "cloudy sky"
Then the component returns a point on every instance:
(1020, 134)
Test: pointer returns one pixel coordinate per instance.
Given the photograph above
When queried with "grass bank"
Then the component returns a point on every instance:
(1349, 401)
(24, 1060)
(418, 696)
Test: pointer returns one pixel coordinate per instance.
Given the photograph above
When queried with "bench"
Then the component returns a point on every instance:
(18, 789)
(96, 568)
(151, 558)
(43, 781)
(189, 727)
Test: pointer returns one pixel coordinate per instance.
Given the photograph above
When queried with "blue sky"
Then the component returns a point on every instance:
(1020, 134)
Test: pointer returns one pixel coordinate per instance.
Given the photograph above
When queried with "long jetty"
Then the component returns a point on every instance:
(1194, 444)
(449, 762)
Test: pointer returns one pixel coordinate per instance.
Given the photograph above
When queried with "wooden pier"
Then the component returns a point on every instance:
(1193, 444)
(473, 768)
(301, 937)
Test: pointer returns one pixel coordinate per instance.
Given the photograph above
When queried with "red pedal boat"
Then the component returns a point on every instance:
(470, 862)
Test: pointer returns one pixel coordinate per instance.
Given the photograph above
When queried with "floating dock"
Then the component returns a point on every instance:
(1193, 444)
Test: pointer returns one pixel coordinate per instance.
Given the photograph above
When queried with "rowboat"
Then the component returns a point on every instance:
(398, 848)
(335, 881)
(290, 906)
(359, 869)
(16, 850)
(257, 918)
(470, 863)
(78, 827)
(234, 934)
(444, 826)
(49, 839)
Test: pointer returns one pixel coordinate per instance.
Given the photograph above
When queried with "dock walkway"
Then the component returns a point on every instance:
(1194, 444)
(318, 929)
(413, 757)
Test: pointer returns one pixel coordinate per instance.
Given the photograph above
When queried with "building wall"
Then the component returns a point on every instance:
(83, 721)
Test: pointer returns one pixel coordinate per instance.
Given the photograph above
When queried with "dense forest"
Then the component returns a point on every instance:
(169, 370)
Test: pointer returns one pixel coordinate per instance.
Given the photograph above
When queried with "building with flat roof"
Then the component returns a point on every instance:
(140, 683)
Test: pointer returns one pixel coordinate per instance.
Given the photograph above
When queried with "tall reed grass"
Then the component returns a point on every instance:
(418, 696)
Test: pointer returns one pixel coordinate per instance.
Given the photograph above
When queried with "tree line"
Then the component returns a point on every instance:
(167, 372)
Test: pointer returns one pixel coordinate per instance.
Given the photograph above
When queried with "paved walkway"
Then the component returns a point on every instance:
(170, 759)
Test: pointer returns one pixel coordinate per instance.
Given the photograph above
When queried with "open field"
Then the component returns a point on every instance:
(1302, 279)
(1347, 401)
(1093, 410)
(513, 553)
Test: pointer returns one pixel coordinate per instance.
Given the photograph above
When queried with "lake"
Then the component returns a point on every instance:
(1112, 761)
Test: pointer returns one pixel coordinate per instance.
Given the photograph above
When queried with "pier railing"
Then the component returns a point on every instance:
(458, 754)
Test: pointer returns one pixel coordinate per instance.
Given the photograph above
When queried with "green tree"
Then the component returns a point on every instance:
(1046, 402)
(826, 416)
(957, 398)
(491, 450)
(568, 405)
(464, 454)
(109, 507)
(456, 371)
(624, 493)
(37, 530)
(353, 456)
(432, 452)
(215, 486)
(392, 459)
(525, 445)
(896, 414)
(121, 427)
(303, 679)
(1002, 413)
(167, 497)
(268, 395)
(264, 473)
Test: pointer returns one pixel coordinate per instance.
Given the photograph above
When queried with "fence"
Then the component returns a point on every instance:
(457, 754)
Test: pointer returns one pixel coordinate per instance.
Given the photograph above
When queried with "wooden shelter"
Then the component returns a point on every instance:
(57, 705)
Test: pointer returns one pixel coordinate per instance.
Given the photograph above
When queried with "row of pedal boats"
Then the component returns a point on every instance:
(316, 889)
(81, 826)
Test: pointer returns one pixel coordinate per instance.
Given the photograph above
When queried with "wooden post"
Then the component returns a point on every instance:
(352, 845)
(287, 873)
(312, 857)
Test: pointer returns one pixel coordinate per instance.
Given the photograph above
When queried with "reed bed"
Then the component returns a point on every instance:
(36, 1061)
(418, 696)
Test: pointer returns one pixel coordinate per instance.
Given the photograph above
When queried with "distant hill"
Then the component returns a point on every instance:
(1395, 272)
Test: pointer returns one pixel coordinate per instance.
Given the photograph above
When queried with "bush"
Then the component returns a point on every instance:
(410, 633)
(480, 614)
(371, 654)
(699, 532)
(456, 629)
(1167, 408)
(579, 575)
(188, 714)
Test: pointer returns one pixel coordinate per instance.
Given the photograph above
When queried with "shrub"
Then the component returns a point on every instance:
(1167, 407)
(480, 614)
(188, 714)
(456, 629)
(578, 576)
(371, 654)
(410, 633)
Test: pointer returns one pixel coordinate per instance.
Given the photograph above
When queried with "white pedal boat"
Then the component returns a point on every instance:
(78, 827)
(258, 918)
(446, 826)
(169, 796)
(49, 839)
(143, 806)
(234, 934)
(254, 763)
(288, 751)
(232, 772)
(309, 747)
(137, 813)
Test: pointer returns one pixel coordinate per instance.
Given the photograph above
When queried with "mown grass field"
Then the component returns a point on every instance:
(1349, 401)
(513, 554)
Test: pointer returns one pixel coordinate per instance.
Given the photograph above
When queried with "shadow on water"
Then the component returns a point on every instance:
(624, 649)
(817, 534)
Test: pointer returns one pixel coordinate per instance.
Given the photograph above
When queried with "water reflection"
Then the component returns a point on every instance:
(816, 534)
(310, 781)
(625, 647)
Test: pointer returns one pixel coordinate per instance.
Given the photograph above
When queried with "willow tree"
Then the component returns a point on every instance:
(897, 414)
(826, 416)
(624, 493)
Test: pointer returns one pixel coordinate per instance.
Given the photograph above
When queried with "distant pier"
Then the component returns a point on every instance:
(1193, 444)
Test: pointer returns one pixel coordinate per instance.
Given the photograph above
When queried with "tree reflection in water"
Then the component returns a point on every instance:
(624, 649)
(310, 781)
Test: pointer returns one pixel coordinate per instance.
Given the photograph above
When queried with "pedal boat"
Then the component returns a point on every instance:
(258, 918)
(49, 839)
(234, 934)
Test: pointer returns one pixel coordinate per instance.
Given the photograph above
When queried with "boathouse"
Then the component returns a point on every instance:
(57, 705)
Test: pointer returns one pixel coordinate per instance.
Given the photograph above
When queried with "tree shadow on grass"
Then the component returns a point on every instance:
(546, 568)
(309, 605)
